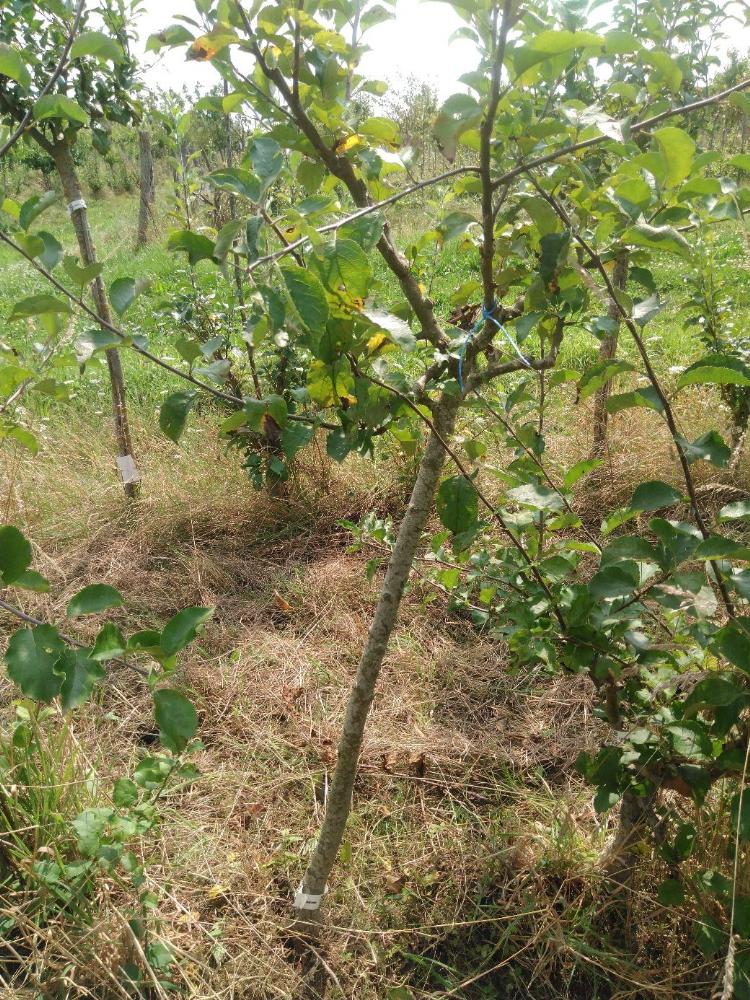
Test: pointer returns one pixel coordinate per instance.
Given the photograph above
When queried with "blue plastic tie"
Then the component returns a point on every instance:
(487, 316)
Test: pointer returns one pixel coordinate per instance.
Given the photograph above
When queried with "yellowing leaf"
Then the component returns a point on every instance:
(375, 343)
(351, 142)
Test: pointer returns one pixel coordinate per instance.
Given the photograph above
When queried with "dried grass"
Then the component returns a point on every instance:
(473, 843)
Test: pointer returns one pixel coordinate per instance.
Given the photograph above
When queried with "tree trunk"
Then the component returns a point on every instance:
(79, 216)
(338, 806)
(607, 351)
(148, 189)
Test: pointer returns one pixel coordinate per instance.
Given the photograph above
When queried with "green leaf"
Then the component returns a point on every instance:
(581, 469)
(741, 814)
(34, 206)
(125, 793)
(553, 43)
(654, 495)
(93, 599)
(345, 267)
(109, 644)
(458, 504)
(13, 66)
(739, 510)
(183, 628)
(176, 718)
(81, 276)
(59, 106)
(599, 374)
(95, 43)
(536, 496)
(39, 305)
(671, 892)
(717, 547)
(458, 114)
(678, 150)
(308, 296)
(174, 413)
(455, 224)
(226, 238)
(53, 251)
(238, 181)
(733, 643)
(95, 340)
(124, 292)
(31, 580)
(647, 309)
(658, 238)
(175, 34)
(646, 396)
(614, 582)
(554, 249)
(15, 555)
(267, 160)
(709, 447)
(715, 369)
(397, 329)
(197, 247)
(709, 936)
(80, 674)
(714, 692)
(31, 657)
(690, 739)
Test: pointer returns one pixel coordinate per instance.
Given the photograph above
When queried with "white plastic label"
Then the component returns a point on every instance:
(128, 471)
(76, 206)
(307, 900)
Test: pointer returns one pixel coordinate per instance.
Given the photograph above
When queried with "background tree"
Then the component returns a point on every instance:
(59, 82)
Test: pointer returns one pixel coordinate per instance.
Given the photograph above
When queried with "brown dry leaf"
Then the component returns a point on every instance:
(291, 694)
(281, 604)
(418, 762)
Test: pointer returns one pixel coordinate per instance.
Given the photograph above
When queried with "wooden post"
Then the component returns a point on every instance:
(148, 189)
(79, 216)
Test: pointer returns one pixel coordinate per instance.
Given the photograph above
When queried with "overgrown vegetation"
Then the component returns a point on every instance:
(456, 393)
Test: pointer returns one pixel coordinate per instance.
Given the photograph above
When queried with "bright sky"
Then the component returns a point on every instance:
(415, 43)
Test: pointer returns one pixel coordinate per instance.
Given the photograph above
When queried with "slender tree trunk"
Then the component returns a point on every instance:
(148, 189)
(237, 265)
(79, 216)
(607, 351)
(338, 805)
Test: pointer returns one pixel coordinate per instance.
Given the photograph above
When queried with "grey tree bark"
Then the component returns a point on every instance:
(607, 352)
(339, 803)
(79, 216)
(148, 189)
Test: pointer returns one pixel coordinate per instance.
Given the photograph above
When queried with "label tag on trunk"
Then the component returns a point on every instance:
(307, 900)
(128, 471)
(76, 206)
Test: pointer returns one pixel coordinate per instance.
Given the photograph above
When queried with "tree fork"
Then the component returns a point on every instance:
(79, 216)
(338, 806)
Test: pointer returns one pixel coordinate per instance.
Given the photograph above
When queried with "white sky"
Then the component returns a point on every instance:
(414, 43)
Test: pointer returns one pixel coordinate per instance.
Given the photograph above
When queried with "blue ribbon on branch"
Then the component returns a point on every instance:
(486, 317)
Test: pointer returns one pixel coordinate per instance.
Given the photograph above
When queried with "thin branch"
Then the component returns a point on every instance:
(360, 214)
(653, 379)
